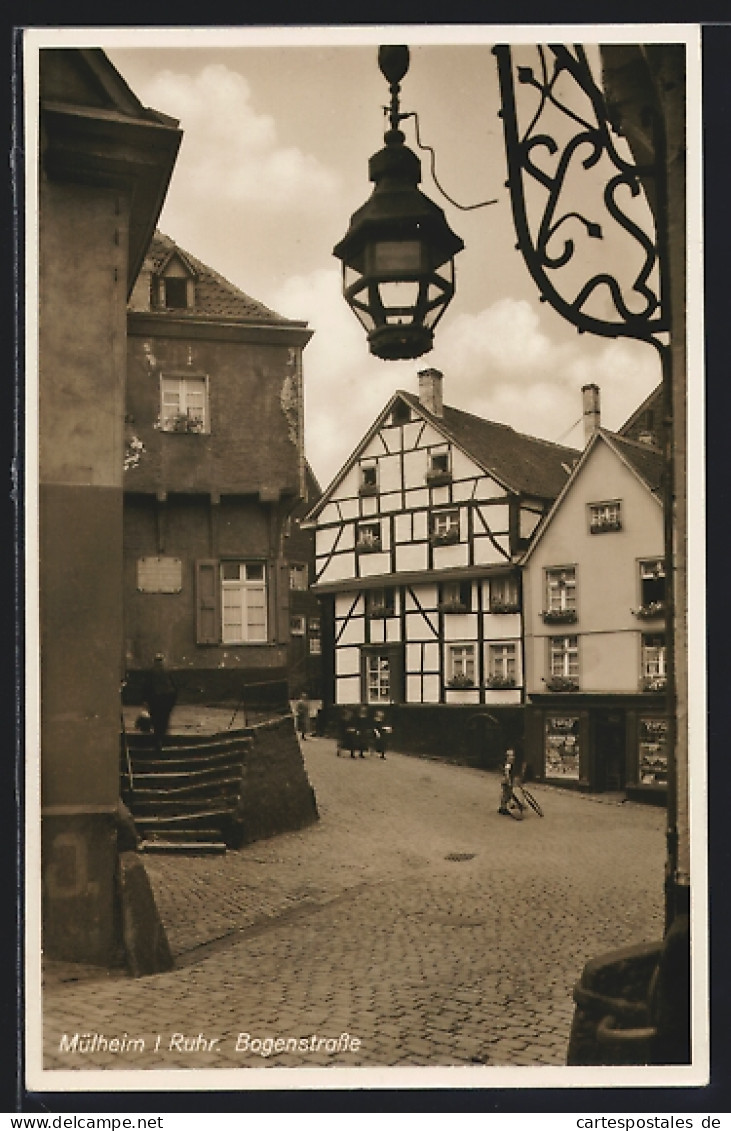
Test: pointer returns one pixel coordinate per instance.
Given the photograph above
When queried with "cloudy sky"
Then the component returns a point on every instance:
(274, 160)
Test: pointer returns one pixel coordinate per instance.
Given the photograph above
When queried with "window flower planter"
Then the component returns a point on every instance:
(559, 616)
(368, 489)
(561, 683)
(500, 682)
(438, 478)
(504, 607)
(453, 607)
(447, 539)
(461, 681)
(608, 524)
(654, 683)
(648, 612)
(184, 423)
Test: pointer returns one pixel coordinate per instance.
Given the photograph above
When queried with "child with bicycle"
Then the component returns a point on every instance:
(512, 776)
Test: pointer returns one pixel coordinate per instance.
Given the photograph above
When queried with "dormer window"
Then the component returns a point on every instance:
(175, 294)
(439, 467)
(174, 284)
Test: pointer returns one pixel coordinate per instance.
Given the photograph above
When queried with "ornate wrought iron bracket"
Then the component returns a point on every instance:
(547, 223)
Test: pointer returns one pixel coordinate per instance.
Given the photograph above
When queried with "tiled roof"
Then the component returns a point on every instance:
(521, 463)
(646, 461)
(215, 297)
(652, 402)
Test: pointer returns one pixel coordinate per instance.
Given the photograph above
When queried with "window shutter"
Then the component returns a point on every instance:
(207, 602)
(281, 599)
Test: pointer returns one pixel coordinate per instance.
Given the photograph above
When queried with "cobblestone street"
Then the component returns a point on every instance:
(412, 917)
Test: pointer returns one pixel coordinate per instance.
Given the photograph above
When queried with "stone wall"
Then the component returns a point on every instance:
(276, 795)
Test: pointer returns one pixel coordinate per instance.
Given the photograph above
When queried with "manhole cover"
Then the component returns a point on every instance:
(460, 856)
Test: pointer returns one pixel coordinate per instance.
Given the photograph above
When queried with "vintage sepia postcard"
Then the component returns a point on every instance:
(365, 692)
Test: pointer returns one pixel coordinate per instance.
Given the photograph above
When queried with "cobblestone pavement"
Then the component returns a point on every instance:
(412, 917)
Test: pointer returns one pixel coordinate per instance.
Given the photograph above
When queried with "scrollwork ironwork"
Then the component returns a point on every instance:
(636, 308)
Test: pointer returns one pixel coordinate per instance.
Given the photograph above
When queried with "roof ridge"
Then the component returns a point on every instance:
(484, 420)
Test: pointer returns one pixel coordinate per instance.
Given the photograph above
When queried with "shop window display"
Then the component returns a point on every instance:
(653, 755)
(561, 750)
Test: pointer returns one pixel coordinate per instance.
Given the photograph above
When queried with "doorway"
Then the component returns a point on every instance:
(610, 745)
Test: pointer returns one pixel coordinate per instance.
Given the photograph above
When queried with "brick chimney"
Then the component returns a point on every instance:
(592, 414)
(430, 391)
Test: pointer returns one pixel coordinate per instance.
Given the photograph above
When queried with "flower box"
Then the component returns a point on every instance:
(184, 423)
(504, 607)
(438, 478)
(561, 683)
(500, 682)
(461, 681)
(654, 683)
(601, 526)
(453, 607)
(446, 539)
(649, 612)
(559, 616)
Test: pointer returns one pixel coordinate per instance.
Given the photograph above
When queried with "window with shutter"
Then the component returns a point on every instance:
(207, 607)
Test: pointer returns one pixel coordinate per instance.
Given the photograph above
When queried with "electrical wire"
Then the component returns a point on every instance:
(432, 161)
(568, 431)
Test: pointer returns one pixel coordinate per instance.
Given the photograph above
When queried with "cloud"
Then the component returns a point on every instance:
(230, 152)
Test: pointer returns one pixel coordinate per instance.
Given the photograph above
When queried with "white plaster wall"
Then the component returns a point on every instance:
(486, 552)
(389, 473)
(410, 557)
(607, 571)
(502, 626)
(487, 488)
(347, 661)
(448, 557)
(372, 565)
(460, 626)
(495, 517)
(347, 690)
(417, 627)
(340, 567)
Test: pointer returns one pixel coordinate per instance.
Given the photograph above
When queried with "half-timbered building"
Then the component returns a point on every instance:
(417, 543)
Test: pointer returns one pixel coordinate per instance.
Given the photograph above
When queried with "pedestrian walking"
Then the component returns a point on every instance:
(346, 732)
(302, 715)
(511, 777)
(381, 731)
(364, 730)
(159, 695)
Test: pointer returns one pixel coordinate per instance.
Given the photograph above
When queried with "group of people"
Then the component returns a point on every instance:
(362, 730)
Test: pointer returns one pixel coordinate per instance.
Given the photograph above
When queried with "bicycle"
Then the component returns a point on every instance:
(516, 808)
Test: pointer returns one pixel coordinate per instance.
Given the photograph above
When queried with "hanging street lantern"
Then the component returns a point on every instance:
(398, 253)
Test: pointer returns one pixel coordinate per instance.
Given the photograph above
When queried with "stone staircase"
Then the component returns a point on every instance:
(184, 797)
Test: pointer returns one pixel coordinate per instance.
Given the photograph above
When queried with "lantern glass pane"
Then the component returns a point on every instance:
(399, 300)
(396, 256)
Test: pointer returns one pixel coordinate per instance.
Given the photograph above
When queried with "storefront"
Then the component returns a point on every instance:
(599, 743)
